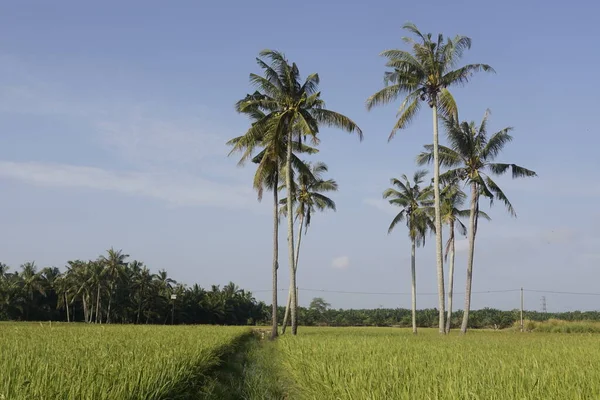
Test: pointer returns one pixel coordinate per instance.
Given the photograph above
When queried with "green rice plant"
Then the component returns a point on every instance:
(560, 326)
(388, 363)
(78, 361)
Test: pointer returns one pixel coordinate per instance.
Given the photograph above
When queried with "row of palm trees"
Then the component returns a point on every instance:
(286, 111)
(110, 289)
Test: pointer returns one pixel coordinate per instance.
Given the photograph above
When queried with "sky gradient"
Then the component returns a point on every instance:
(114, 118)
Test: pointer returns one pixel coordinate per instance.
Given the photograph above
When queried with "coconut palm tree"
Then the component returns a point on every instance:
(32, 283)
(114, 266)
(272, 151)
(291, 109)
(425, 74)
(471, 157)
(412, 198)
(308, 198)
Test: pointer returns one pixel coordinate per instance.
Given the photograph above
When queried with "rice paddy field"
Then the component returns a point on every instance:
(205, 362)
(387, 363)
(79, 361)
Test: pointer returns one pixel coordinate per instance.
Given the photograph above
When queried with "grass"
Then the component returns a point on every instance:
(252, 373)
(78, 361)
(560, 326)
(388, 363)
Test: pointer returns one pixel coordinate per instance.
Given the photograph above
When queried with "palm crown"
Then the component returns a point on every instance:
(283, 106)
(307, 192)
(471, 157)
(425, 74)
(413, 199)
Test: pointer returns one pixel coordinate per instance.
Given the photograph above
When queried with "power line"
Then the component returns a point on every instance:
(384, 293)
(557, 292)
(427, 293)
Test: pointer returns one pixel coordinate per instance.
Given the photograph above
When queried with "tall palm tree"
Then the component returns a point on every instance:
(308, 198)
(114, 264)
(272, 151)
(291, 109)
(471, 157)
(413, 199)
(425, 74)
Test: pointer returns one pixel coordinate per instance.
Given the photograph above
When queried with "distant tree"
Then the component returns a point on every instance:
(114, 268)
(319, 305)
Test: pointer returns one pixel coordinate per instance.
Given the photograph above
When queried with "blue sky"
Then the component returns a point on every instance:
(114, 118)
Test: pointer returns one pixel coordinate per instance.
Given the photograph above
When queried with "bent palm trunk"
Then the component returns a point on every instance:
(450, 278)
(472, 227)
(291, 288)
(290, 219)
(413, 286)
(275, 260)
(438, 219)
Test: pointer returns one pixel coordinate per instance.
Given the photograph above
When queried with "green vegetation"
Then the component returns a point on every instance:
(112, 290)
(78, 361)
(387, 363)
(81, 361)
(561, 326)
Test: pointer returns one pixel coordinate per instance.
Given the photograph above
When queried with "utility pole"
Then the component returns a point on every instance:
(173, 298)
(522, 310)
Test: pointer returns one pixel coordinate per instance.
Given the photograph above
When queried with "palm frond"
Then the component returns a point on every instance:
(385, 96)
(462, 75)
(323, 202)
(397, 219)
(499, 194)
(446, 104)
(336, 120)
(496, 144)
(407, 112)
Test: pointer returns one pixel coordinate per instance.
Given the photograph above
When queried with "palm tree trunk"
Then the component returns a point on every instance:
(67, 307)
(85, 310)
(291, 288)
(290, 219)
(98, 304)
(450, 277)
(274, 332)
(472, 228)
(413, 287)
(109, 303)
(438, 219)
(139, 311)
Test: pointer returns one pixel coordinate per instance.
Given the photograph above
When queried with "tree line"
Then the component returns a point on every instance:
(287, 112)
(110, 289)
(319, 313)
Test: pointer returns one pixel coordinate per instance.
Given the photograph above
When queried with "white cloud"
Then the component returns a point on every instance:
(342, 262)
(175, 189)
(172, 157)
(151, 141)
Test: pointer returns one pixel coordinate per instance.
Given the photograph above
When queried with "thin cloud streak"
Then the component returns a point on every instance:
(176, 190)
